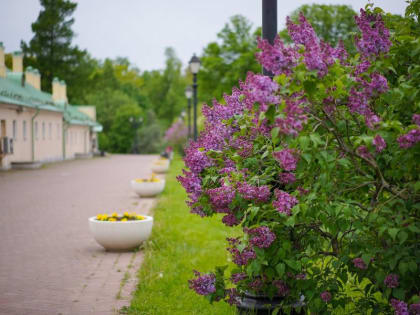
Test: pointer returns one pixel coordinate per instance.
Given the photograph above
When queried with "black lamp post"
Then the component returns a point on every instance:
(188, 94)
(269, 24)
(136, 124)
(195, 67)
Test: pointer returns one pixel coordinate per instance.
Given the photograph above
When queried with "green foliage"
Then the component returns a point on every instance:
(330, 22)
(229, 59)
(177, 246)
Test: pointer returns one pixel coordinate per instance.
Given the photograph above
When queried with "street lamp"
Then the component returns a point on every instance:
(188, 94)
(269, 24)
(195, 67)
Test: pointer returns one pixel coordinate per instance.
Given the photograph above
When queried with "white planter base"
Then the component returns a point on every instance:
(120, 235)
(148, 189)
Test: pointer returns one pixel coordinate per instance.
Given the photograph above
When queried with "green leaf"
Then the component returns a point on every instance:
(402, 236)
(280, 268)
(403, 267)
(398, 293)
(412, 266)
(366, 258)
(393, 232)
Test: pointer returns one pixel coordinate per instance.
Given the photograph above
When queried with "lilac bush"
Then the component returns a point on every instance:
(176, 135)
(319, 169)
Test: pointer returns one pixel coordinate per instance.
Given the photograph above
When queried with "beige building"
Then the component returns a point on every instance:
(38, 127)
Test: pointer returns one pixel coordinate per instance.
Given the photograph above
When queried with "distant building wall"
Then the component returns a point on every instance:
(78, 140)
(48, 136)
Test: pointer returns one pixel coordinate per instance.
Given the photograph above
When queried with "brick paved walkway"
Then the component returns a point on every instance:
(49, 263)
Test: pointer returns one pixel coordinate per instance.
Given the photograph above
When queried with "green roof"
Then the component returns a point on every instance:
(12, 92)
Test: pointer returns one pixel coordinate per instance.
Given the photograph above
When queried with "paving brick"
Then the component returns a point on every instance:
(49, 263)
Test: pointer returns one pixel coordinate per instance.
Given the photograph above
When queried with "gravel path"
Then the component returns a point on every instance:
(49, 263)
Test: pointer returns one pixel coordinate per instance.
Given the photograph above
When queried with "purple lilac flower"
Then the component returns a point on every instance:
(326, 296)
(233, 296)
(177, 132)
(287, 159)
(359, 263)
(416, 119)
(260, 88)
(198, 210)
(203, 284)
(277, 58)
(302, 190)
(190, 181)
(362, 67)
(221, 198)
(287, 178)
(400, 307)
(243, 146)
(372, 120)
(415, 309)
(238, 277)
(378, 83)
(294, 118)
(241, 258)
(283, 289)
(230, 220)
(256, 285)
(301, 276)
(391, 280)
(262, 236)
(364, 152)
(379, 143)
(409, 139)
(284, 202)
(250, 192)
(375, 36)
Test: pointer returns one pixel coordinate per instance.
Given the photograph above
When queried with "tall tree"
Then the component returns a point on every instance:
(51, 52)
(228, 59)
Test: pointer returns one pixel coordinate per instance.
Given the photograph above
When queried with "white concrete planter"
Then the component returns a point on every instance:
(161, 167)
(148, 189)
(120, 235)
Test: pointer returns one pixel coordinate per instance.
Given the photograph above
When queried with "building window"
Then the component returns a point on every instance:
(14, 129)
(36, 130)
(50, 131)
(24, 130)
(43, 131)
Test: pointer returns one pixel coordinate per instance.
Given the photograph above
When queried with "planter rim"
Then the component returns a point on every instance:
(160, 181)
(147, 219)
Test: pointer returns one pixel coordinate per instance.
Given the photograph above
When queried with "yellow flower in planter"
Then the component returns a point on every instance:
(114, 215)
(140, 217)
(112, 219)
(126, 214)
(124, 219)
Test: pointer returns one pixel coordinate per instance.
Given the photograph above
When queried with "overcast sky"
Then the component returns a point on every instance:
(141, 29)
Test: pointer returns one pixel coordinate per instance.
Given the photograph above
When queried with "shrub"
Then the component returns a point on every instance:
(319, 168)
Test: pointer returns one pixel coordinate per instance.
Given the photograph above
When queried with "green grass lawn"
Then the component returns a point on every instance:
(180, 242)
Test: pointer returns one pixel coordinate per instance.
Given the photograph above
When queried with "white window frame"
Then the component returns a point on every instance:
(14, 129)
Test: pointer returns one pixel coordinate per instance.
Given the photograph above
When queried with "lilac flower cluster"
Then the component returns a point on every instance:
(326, 296)
(230, 220)
(364, 152)
(221, 197)
(203, 284)
(416, 119)
(400, 307)
(262, 236)
(177, 132)
(294, 117)
(391, 281)
(241, 258)
(375, 36)
(379, 143)
(238, 277)
(318, 55)
(359, 263)
(287, 159)
(409, 139)
(415, 309)
(277, 58)
(232, 296)
(287, 178)
(260, 88)
(282, 288)
(250, 192)
(284, 202)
